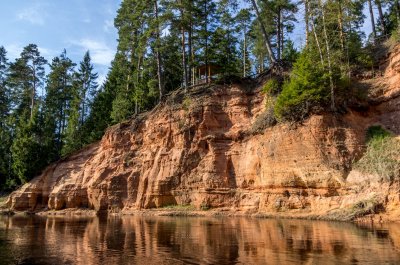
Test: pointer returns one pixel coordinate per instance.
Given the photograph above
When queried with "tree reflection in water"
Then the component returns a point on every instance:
(178, 240)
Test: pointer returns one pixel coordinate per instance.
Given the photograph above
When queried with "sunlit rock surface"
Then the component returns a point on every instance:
(201, 150)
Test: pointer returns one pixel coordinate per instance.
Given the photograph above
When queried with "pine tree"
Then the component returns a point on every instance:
(5, 132)
(134, 24)
(59, 94)
(243, 19)
(73, 140)
(35, 68)
(87, 85)
(4, 93)
(267, 40)
(83, 91)
(28, 153)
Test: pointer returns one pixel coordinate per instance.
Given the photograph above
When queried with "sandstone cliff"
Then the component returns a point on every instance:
(201, 150)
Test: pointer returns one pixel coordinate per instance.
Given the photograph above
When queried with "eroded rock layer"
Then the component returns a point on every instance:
(202, 150)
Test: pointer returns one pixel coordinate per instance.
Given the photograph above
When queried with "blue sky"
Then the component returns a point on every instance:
(76, 25)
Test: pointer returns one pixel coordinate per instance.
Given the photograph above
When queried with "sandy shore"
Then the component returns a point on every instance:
(375, 218)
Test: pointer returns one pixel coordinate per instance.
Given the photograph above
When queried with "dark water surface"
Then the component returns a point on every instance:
(179, 240)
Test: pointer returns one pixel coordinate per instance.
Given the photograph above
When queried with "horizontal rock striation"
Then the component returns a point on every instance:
(202, 149)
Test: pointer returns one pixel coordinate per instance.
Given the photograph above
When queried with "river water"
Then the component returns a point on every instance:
(193, 240)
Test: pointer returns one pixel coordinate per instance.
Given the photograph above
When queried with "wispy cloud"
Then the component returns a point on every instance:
(100, 52)
(108, 25)
(48, 53)
(33, 14)
(13, 50)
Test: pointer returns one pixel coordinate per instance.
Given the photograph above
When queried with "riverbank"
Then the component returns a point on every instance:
(189, 211)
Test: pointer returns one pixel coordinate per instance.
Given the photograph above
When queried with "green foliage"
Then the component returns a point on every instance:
(73, 140)
(122, 108)
(382, 154)
(272, 87)
(375, 133)
(60, 93)
(83, 89)
(5, 133)
(307, 88)
(27, 149)
(99, 118)
(186, 103)
(290, 53)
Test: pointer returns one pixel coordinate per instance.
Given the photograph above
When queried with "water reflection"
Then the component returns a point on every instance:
(167, 240)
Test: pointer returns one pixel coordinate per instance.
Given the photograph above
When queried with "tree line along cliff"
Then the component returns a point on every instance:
(163, 45)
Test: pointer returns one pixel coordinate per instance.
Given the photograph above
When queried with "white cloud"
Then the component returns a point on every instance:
(13, 51)
(108, 25)
(47, 53)
(34, 15)
(100, 52)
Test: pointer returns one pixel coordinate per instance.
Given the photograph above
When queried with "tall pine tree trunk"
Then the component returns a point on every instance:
(398, 13)
(33, 91)
(271, 55)
(158, 53)
(371, 15)
(190, 48)
(397, 3)
(83, 108)
(306, 14)
(340, 23)
(184, 63)
(381, 18)
(328, 52)
(183, 44)
(244, 51)
(206, 34)
(317, 40)
(282, 37)
(137, 83)
(278, 35)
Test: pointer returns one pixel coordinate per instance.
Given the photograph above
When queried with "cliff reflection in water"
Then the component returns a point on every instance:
(167, 240)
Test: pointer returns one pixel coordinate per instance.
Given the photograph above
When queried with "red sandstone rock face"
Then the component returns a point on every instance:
(201, 151)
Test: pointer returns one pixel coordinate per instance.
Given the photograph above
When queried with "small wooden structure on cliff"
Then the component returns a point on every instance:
(205, 73)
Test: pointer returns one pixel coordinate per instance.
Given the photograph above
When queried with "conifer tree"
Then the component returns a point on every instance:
(28, 72)
(5, 132)
(243, 19)
(83, 91)
(28, 151)
(59, 94)
(87, 85)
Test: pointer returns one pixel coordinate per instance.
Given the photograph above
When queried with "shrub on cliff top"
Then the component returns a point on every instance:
(307, 88)
(272, 87)
(382, 154)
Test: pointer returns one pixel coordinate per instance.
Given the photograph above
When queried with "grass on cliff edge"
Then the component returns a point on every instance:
(372, 205)
(174, 207)
(382, 154)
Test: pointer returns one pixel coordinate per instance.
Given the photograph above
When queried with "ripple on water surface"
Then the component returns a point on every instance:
(179, 240)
